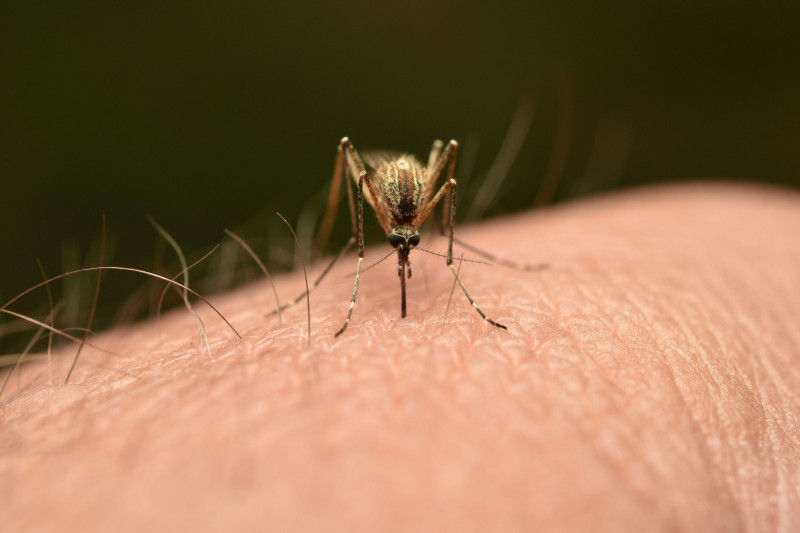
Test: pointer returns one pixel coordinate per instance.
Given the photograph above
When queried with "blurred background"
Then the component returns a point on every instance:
(211, 115)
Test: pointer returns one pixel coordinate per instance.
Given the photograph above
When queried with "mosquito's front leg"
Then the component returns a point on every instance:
(436, 163)
(360, 235)
(450, 260)
(474, 305)
(450, 186)
(452, 210)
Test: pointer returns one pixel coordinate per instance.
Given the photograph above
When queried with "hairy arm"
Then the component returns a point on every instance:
(647, 382)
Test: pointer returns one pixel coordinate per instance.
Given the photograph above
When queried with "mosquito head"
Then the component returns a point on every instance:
(404, 238)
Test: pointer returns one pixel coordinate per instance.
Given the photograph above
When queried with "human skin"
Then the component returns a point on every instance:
(647, 382)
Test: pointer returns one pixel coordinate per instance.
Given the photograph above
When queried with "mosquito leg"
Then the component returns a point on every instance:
(435, 168)
(324, 232)
(436, 151)
(505, 262)
(360, 233)
(452, 204)
(452, 225)
(445, 157)
(448, 212)
(478, 309)
(448, 156)
(450, 209)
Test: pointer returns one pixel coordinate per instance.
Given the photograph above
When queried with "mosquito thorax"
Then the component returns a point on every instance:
(404, 237)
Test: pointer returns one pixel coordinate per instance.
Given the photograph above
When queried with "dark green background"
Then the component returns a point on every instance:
(208, 115)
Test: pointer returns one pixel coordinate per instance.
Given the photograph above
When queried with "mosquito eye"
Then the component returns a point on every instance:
(396, 240)
(413, 240)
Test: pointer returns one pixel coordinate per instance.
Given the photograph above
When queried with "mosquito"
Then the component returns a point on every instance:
(400, 190)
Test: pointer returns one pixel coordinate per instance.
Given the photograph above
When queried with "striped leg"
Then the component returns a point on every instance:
(360, 235)
(450, 259)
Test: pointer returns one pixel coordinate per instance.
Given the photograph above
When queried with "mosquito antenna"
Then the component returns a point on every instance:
(509, 150)
(378, 262)
(502, 261)
(305, 274)
(477, 261)
(263, 268)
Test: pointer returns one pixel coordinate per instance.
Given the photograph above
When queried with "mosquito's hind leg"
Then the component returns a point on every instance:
(452, 225)
(450, 212)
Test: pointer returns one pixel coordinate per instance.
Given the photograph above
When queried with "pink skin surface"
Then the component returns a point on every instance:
(648, 381)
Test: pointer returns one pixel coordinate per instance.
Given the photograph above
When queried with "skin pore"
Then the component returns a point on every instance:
(647, 382)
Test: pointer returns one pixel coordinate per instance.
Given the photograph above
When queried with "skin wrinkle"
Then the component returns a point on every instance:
(585, 332)
(644, 384)
(719, 341)
(741, 387)
(734, 386)
(683, 372)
